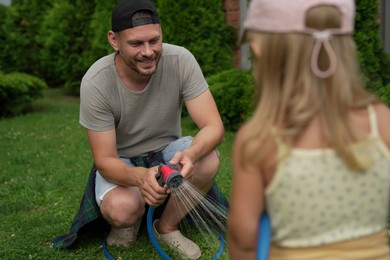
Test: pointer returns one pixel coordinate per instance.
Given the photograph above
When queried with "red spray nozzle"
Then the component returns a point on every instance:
(171, 177)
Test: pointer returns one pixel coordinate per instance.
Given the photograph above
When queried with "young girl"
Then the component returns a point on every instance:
(315, 154)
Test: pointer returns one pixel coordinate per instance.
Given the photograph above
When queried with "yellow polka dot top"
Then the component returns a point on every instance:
(315, 199)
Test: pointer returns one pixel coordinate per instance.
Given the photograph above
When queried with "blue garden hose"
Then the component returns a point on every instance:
(105, 251)
(149, 225)
(264, 237)
(173, 178)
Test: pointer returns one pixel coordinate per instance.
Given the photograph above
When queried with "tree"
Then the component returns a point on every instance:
(99, 25)
(19, 28)
(375, 62)
(65, 38)
(200, 27)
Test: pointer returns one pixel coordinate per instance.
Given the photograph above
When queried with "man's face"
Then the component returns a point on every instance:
(140, 48)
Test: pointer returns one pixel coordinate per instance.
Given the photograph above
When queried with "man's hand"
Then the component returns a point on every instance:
(185, 162)
(153, 194)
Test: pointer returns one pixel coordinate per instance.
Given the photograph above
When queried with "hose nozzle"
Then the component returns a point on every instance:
(171, 177)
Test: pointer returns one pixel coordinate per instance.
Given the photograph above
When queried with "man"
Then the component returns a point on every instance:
(131, 106)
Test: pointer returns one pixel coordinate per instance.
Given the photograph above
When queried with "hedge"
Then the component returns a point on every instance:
(233, 91)
(17, 92)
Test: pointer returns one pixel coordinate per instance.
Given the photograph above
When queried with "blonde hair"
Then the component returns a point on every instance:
(289, 95)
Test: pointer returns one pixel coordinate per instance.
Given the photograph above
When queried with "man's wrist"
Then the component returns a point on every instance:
(191, 155)
(135, 174)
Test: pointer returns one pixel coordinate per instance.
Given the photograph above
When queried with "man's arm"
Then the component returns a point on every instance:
(204, 113)
(103, 146)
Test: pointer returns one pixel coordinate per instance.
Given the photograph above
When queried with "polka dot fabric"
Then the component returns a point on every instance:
(315, 199)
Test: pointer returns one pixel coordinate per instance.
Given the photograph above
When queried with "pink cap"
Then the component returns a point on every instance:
(289, 16)
(282, 16)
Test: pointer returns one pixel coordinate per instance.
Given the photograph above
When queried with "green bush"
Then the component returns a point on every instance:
(17, 92)
(3, 16)
(99, 25)
(64, 37)
(57, 40)
(95, 43)
(384, 94)
(200, 27)
(375, 62)
(233, 92)
(19, 26)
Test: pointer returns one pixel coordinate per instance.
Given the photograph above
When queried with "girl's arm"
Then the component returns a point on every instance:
(246, 205)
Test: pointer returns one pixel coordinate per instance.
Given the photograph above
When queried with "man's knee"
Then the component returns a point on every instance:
(120, 210)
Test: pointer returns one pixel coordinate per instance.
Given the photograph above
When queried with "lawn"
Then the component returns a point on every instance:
(44, 164)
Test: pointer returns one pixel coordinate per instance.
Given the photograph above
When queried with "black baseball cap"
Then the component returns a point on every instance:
(122, 14)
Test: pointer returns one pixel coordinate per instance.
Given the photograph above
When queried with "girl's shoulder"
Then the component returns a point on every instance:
(265, 157)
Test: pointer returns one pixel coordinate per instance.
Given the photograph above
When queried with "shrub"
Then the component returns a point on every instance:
(3, 39)
(200, 27)
(375, 62)
(233, 92)
(58, 40)
(384, 94)
(64, 37)
(17, 92)
(19, 27)
(99, 25)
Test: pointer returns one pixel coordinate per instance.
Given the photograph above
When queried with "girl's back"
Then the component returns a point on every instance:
(315, 199)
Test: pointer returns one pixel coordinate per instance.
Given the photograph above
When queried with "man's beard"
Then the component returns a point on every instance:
(141, 72)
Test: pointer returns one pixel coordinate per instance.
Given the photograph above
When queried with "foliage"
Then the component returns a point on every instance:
(384, 94)
(200, 27)
(20, 50)
(64, 38)
(99, 25)
(3, 15)
(375, 62)
(57, 40)
(17, 92)
(233, 93)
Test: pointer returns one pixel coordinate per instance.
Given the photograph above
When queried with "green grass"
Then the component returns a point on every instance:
(44, 164)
